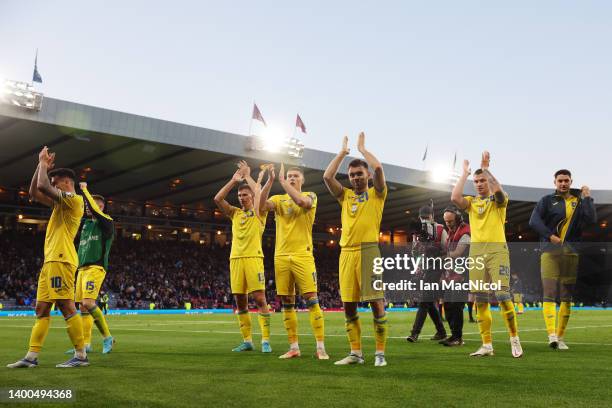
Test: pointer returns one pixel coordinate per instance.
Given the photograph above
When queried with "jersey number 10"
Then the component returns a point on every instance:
(56, 282)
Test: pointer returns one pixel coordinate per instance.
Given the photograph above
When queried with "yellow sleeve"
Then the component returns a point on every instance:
(232, 212)
(275, 200)
(71, 201)
(469, 206)
(93, 206)
(343, 195)
(263, 216)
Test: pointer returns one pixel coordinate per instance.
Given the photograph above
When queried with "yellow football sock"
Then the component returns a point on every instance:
(264, 326)
(244, 319)
(39, 333)
(521, 307)
(353, 331)
(509, 315)
(74, 326)
(484, 321)
(565, 310)
(100, 321)
(87, 326)
(380, 332)
(549, 309)
(291, 322)
(316, 319)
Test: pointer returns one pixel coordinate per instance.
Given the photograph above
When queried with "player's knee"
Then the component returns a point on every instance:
(66, 306)
(87, 304)
(288, 299)
(378, 308)
(241, 301)
(350, 309)
(312, 301)
(503, 295)
(43, 309)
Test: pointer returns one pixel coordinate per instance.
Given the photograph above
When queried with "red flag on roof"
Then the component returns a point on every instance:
(299, 123)
(257, 115)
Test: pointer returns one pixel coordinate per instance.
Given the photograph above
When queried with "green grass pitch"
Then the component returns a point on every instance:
(186, 360)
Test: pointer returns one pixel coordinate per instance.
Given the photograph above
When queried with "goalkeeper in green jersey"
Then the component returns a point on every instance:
(97, 233)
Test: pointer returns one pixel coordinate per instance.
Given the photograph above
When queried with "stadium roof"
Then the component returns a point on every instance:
(134, 158)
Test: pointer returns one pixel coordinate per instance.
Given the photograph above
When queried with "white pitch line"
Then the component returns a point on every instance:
(327, 335)
(543, 329)
(177, 323)
(544, 342)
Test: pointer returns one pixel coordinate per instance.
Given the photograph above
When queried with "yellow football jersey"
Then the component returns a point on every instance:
(361, 216)
(570, 205)
(293, 225)
(247, 230)
(487, 220)
(62, 229)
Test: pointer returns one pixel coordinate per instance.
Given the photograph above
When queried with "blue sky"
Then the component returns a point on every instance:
(529, 81)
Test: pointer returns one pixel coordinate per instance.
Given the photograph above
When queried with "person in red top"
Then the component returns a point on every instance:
(456, 246)
(432, 247)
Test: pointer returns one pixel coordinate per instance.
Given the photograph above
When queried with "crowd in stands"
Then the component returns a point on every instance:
(167, 274)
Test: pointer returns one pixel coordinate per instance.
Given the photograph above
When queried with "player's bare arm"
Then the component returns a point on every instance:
(265, 191)
(329, 177)
(245, 172)
(589, 213)
(36, 195)
(376, 166)
(494, 185)
(457, 195)
(43, 184)
(255, 186)
(585, 191)
(220, 200)
(298, 199)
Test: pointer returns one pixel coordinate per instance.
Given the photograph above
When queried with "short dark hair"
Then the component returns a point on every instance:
(563, 172)
(244, 185)
(425, 211)
(453, 209)
(358, 163)
(478, 172)
(295, 169)
(63, 172)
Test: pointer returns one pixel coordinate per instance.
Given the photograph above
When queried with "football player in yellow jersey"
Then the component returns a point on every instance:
(362, 208)
(489, 251)
(559, 219)
(246, 257)
(55, 189)
(293, 259)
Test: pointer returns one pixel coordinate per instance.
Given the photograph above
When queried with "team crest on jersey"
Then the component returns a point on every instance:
(574, 204)
(245, 216)
(481, 210)
(354, 208)
(362, 198)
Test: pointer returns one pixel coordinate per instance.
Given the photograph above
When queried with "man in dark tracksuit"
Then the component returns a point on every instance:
(559, 219)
